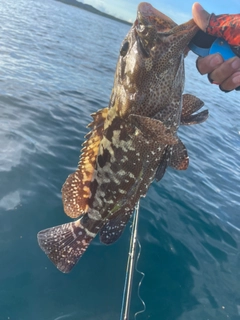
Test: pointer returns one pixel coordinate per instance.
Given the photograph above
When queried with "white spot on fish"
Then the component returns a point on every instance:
(94, 215)
(121, 172)
(131, 175)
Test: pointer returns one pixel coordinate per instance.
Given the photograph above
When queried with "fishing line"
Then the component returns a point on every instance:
(132, 261)
(140, 282)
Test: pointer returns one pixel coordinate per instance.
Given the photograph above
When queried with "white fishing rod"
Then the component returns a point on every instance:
(127, 292)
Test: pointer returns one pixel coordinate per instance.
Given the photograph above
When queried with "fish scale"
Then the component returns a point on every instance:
(132, 142)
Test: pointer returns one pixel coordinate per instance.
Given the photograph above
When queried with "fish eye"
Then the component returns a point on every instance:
(124, 49)
(141, 27)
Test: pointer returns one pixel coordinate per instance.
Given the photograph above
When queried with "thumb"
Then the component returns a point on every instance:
(200, 16)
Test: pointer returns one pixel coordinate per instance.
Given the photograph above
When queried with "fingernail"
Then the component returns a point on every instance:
(236, 63)
(236, 80)
(216, 60)
(199, 7)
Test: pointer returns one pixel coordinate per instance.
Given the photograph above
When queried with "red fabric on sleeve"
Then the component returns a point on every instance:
(226, 26)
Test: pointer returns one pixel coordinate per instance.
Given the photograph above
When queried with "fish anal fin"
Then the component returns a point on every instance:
(179, 159)
(192, 104)
(113, 229)
(162, 166)
(153, 129)
(65, 244)
(76, 190)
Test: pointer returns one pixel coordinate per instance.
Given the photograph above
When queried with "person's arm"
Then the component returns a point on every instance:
(226, 74)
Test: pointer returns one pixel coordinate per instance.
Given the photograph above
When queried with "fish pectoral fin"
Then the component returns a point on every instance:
(153, 129)
(76, 190)
(192, 104)
(113, 229)
(179, 159)
(65, 244)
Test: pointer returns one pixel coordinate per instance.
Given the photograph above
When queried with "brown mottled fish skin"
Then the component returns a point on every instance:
(132, 141)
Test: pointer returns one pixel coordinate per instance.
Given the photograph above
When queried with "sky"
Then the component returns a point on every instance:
(177, 10)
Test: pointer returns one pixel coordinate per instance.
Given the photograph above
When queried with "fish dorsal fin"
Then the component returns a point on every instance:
(76, 189)
(178, 156)
(153, 129)
(113, 229)
(192, 104)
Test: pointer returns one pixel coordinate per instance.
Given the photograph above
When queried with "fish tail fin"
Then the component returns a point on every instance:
(65, 244)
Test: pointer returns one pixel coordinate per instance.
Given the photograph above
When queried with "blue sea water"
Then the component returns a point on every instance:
(57, 66)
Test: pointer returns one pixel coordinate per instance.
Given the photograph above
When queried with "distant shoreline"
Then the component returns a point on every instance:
(90, 8)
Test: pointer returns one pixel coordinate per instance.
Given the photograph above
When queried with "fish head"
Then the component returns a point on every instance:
(159, 36)
(151, 60)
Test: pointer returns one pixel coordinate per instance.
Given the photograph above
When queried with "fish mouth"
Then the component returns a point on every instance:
(152, 24)
(147, 11)
(148, 16)
(184, 33)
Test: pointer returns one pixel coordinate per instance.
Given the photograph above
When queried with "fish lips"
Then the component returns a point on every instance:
(146, 12)
(152, 24)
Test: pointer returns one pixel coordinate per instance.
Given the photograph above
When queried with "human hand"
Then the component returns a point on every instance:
(224, 73)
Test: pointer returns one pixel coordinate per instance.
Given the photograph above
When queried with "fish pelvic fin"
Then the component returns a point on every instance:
(191, 104)
(195, 118)
(76, 190)
(65, 244)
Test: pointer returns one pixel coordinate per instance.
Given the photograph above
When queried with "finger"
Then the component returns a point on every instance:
(231, 83)
(200, 16)
(209, 63)
(225, 70)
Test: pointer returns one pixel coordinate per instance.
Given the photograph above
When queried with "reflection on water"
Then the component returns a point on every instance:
(56, 69)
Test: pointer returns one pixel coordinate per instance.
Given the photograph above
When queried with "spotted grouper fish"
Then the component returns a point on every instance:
(132, 141)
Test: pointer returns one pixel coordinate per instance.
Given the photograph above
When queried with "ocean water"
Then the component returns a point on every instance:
(57, 66)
